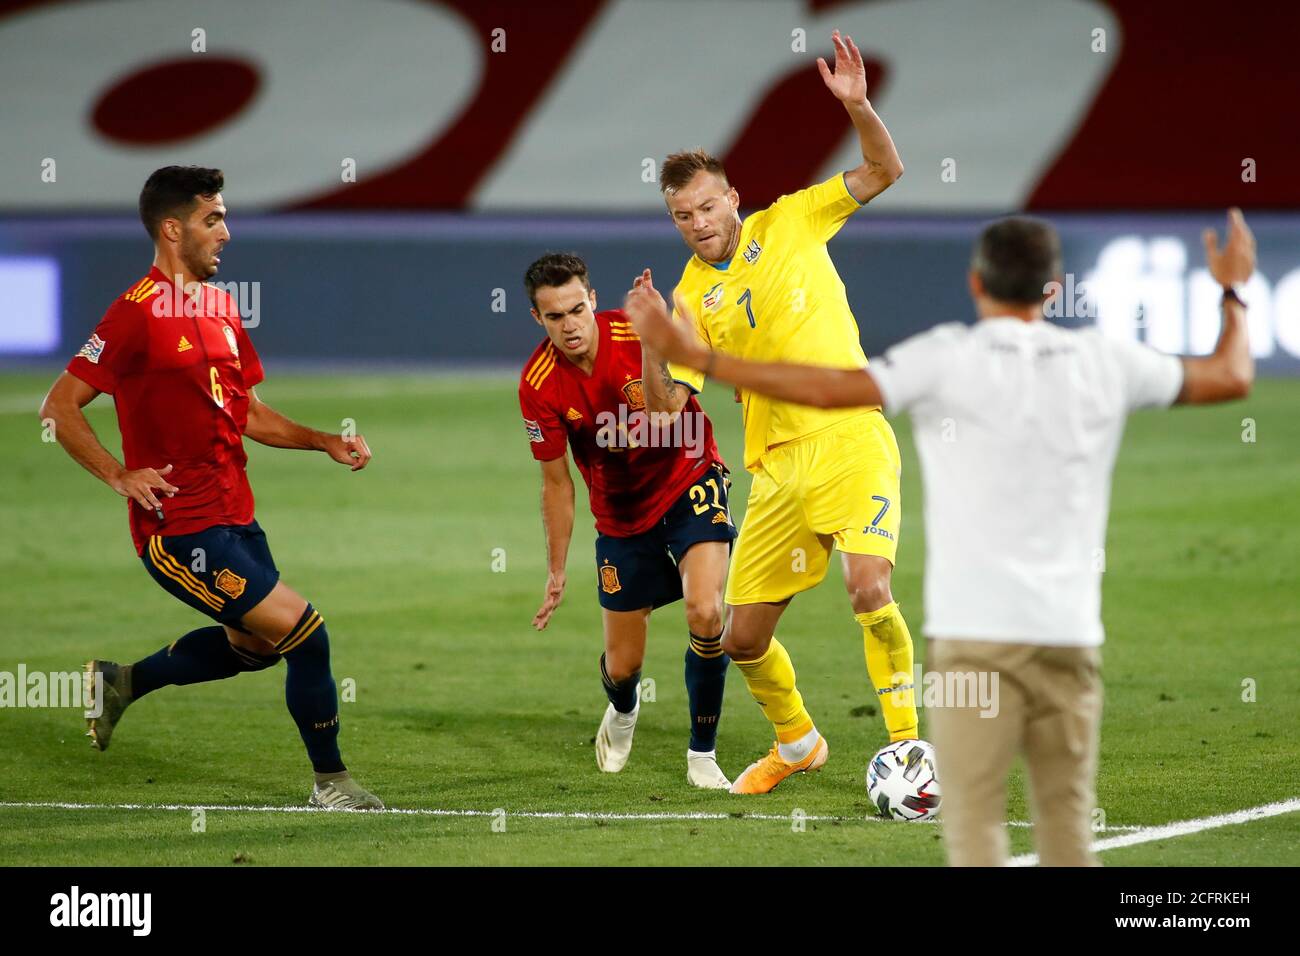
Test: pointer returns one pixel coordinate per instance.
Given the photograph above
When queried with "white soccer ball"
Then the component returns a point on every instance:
(901, 781)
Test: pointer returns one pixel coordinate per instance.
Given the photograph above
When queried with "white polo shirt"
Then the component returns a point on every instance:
(1017, 425)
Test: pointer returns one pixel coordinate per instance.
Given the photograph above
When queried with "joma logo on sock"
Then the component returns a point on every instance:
(55, 689)
(72, 909)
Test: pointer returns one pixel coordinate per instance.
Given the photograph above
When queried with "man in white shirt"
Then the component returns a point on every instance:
(1017, 424)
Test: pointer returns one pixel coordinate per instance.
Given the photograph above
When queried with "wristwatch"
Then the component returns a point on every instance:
(1232, 293)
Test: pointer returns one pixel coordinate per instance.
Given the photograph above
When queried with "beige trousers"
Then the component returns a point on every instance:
(1048, 709)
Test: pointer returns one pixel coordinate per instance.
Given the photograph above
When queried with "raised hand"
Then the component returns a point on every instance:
(849, 81)
(672, 341)
(1235, 262)
(649, 314)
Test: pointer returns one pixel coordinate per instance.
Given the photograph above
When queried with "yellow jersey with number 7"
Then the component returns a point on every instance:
(779, 299)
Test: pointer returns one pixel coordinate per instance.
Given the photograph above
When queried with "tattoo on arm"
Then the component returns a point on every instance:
(668, 378)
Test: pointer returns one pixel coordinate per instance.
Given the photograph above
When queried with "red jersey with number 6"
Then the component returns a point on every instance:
(634, 469)
(179, 368)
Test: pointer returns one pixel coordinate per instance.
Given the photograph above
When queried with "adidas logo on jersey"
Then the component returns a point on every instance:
(183, 345)
(573, 415)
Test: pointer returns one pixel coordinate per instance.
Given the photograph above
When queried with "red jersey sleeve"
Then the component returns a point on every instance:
(546, 434)
(114, 348)
(250, 362)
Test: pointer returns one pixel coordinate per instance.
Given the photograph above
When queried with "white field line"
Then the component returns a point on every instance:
(419, 811)
(1181, 828)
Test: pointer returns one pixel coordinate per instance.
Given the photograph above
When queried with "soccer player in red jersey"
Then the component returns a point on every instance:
(173, 353)
(658, 491)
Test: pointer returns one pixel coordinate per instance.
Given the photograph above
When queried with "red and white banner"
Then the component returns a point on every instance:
(494, 105)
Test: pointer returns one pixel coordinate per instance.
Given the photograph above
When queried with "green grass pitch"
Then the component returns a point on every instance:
(460, 705)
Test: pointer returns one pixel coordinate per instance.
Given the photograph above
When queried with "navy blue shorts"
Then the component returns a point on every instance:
(224, 571)
(641, 571)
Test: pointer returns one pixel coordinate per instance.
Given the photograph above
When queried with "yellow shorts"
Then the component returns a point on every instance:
(836, 488)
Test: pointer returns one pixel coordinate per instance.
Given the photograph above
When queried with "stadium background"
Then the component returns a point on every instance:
(483, 133)
(371, 298)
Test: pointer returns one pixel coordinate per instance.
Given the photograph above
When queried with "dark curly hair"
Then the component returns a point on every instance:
(554, 269)
(170, 192)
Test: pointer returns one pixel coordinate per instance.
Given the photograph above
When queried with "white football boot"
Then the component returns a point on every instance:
(614, 739)
(702, 771)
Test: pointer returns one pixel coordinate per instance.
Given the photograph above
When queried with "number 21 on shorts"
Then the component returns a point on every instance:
(699, 497)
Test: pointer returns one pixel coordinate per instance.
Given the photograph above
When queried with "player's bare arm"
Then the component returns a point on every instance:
(557, 524)
(63, 406)
(1229, 371)
(804, 384)
(266, 426)
(662, 394)
(881, 166)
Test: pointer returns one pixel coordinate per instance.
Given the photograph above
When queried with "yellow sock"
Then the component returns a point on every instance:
(888, 645)
(771, 682)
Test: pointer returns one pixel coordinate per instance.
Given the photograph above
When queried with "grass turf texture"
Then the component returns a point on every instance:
(459, 704)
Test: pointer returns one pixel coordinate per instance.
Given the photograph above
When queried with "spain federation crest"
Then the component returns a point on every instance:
(635, 394)
(231, 583)
(233, 343)
(609, 579)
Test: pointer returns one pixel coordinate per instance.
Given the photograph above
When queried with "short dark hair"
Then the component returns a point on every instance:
(171, 192)
(1016, 258)
(680, 168)
(554, 269)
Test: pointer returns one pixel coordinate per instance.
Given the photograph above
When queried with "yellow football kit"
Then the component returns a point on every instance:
(819, 475)
(822, 478)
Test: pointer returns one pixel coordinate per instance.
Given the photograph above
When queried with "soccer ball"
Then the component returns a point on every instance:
(901, 781)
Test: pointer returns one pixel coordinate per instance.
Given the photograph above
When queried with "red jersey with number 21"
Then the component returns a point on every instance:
(179, 371)
(632, 478)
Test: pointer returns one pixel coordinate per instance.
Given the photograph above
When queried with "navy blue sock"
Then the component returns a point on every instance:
(706, 679)
(199, 656)
(623, 694)
(310, 692)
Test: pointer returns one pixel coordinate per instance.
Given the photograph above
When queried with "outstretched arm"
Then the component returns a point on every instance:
(813, 385)
(268, 427)
(881, 165)
(1229, 371)
(804, 384)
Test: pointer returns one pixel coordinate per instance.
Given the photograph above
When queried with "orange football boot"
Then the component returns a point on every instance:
(763, 775)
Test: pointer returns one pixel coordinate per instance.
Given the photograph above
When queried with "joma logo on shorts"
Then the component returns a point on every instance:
(872, 529)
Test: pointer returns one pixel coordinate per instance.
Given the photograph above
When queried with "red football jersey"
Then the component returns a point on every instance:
(179, 372)
(634, 472)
